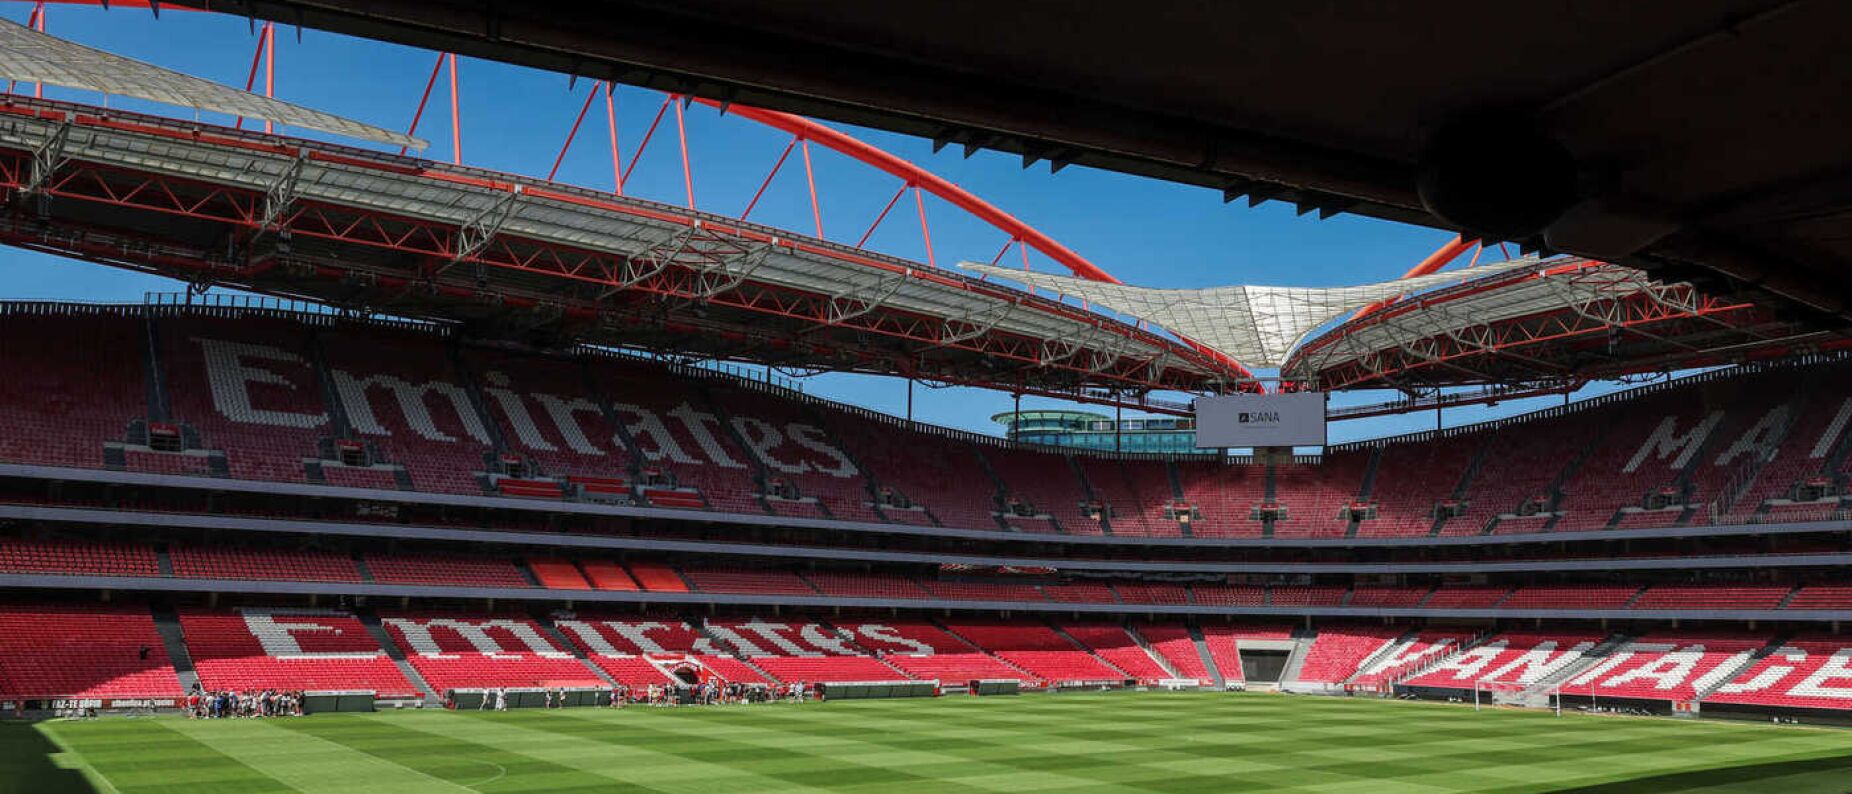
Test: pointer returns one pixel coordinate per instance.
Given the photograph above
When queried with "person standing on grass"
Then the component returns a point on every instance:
(501, 699)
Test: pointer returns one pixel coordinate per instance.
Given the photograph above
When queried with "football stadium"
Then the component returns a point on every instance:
(334, 460)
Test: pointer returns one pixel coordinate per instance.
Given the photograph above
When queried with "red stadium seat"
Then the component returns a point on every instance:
(82, 651)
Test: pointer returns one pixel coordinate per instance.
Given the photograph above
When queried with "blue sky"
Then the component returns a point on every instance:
(514, 119)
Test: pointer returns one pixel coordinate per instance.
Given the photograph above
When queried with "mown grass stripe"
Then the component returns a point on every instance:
(150, 757)
(482, 767)
(1153, 742)
(797, 732)
(302, 761)
(626, 752)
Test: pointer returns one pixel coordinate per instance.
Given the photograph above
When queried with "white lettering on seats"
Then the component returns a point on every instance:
(1762, 438)
(698, 424)
(762, 438)
(1838, 667)
(773, 633)
(229, 378)
(1616, 659)
(829, 641)
(814, 439)
(565, 418)
(1467, 665)
(589, 637)
(1667, 672)
(1406, 653)
(1722, 672)
(1666, 440)
(637, 634)
(1830, 436)
(1770, 674)
(737, 640)
(411, 399)
(417, 634)
(279, 637)
(892, 636)
(653, 437)
(1538, 664)
(515, 411)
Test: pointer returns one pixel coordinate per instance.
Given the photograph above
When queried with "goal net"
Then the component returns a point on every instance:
(1490, 692)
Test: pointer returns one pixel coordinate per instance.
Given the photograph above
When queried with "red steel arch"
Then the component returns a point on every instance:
(803, 129)
(913, 175)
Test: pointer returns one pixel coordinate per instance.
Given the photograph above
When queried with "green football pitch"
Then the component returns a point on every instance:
(1090, 743)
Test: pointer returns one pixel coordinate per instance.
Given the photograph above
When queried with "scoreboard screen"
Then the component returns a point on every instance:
(1261, 420)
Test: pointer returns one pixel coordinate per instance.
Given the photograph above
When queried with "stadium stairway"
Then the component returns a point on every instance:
(1465, 484)
(573, 648)
(899, 674)
(371, 622)
(1083, 648)
(1162, 663)
(1590, 657)
(1737, 671)
(1026, 675)
(1428, 665)
(167, 624)
(1387, 648)
(1208, 659)
(721, 643)
(1295, 661)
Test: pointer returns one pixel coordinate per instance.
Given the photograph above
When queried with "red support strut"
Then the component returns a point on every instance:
(1435, 261)
(456, 115)
(919, 198)
(810, 177)
(768, 178)
(883, 216)
(270, 68)
(681, 132)
(423, 99)
(647, 135)
(37, 22)
(572, 133)
(610, 115)
(257, 57)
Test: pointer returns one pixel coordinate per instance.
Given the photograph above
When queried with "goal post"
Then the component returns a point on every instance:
(1495, 692)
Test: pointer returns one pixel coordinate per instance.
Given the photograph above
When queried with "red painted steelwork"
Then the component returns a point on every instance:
(83, 181)
(921, 178)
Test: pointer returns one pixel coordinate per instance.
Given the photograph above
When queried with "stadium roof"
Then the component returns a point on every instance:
(1707, 137)
(516, 256)
(1558, 323)
(1255, 325)
(28, 56)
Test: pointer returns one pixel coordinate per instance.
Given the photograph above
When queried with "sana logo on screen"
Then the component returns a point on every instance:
(1258, 417)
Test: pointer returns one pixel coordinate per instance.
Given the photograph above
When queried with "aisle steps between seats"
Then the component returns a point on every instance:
(1162, 663)
(167, 624)
(559, 637)
(371, 621)
(1208, 659)
(1590, 658)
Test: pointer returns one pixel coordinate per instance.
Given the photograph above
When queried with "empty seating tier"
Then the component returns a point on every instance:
(82, 651)
(471, 652)
(231, 562)
(259, 648)
(77, 558)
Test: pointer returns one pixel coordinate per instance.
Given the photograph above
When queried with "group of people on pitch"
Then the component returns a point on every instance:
(710, 693)
(203, 705)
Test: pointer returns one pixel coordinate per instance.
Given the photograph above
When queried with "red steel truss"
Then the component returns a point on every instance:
(701, 282)
(1579, 321)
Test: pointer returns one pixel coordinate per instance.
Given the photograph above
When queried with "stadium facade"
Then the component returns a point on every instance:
(478, 489)
(265, 496)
